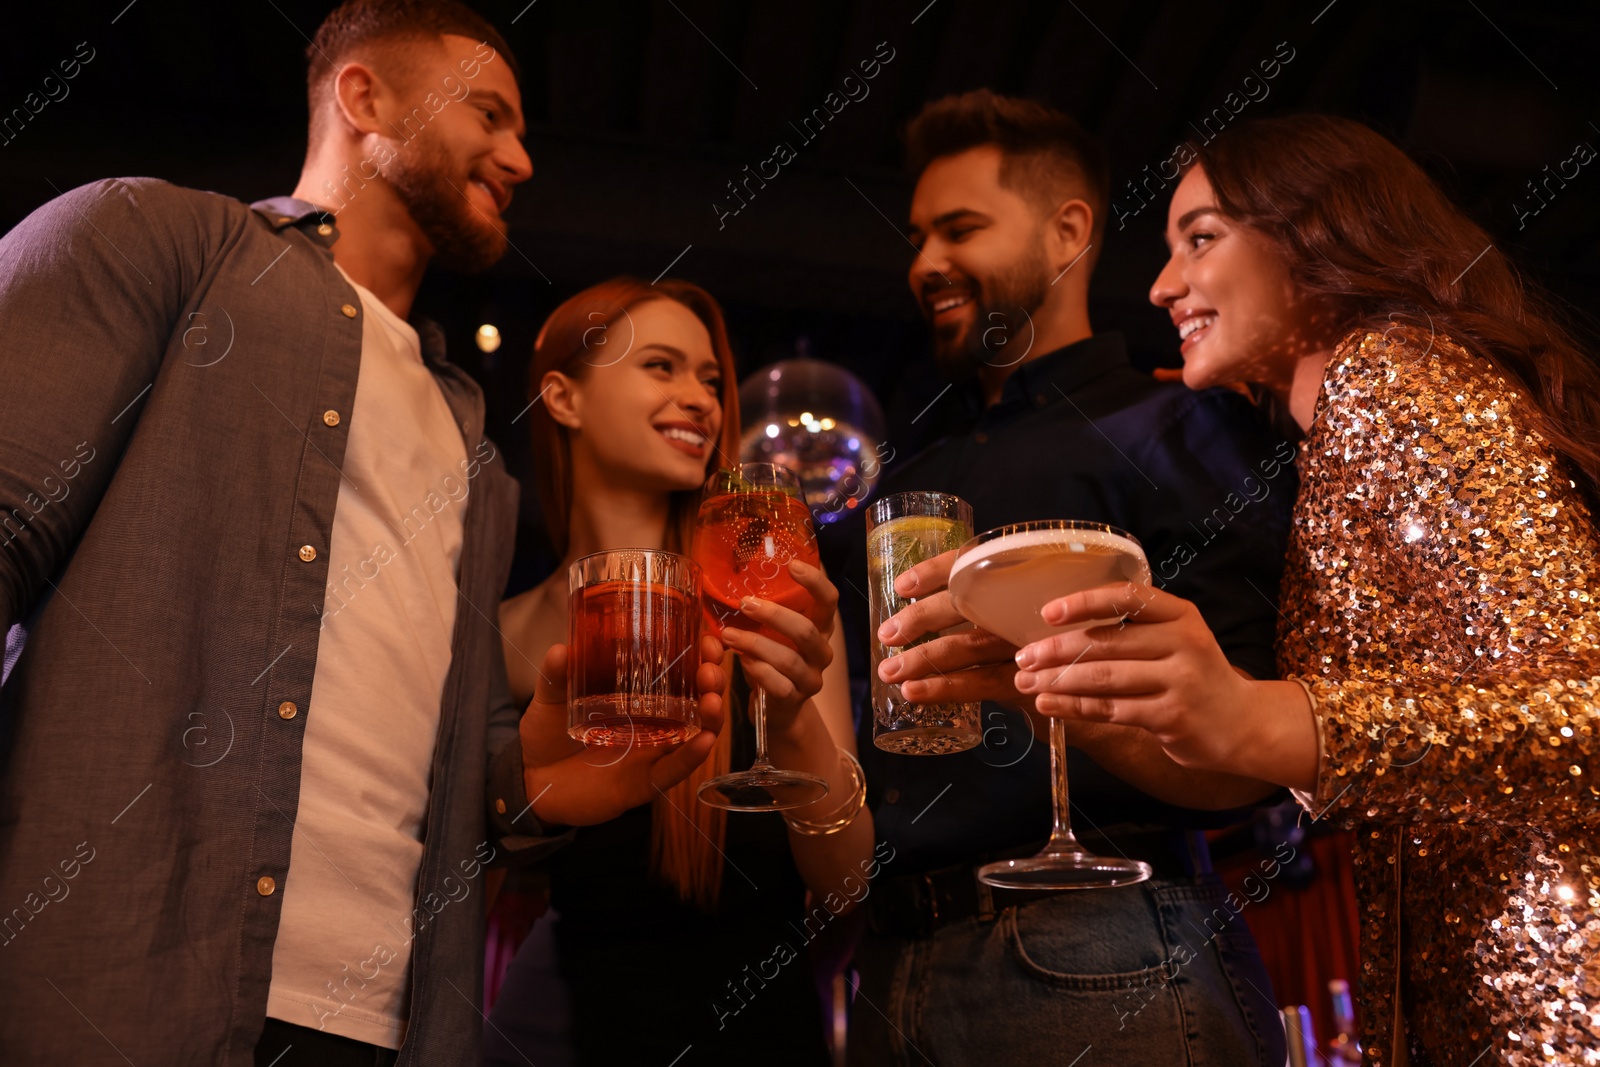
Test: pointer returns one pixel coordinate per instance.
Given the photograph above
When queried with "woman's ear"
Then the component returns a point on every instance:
(563, 397)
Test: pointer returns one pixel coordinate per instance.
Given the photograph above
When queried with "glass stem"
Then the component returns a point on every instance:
(1061, 839)
(758, 716)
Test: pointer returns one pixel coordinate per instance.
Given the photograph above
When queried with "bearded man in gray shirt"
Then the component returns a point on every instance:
(256, 747)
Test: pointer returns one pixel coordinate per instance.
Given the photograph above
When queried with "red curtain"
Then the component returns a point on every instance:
(1307, 935)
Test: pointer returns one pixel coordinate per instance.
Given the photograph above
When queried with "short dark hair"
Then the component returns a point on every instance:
(1042, 149)
(355, 24)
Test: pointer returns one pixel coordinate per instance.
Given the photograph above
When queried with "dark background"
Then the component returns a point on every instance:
(639, 113)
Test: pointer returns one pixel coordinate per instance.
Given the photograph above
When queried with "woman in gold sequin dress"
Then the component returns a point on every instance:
(1441, 636)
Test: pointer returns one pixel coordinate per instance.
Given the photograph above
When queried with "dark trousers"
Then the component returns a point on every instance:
(287, 1045)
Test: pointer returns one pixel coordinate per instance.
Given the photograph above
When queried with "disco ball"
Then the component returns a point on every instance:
(821, 422)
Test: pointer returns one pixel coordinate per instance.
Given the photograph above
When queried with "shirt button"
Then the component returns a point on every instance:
(500, 806)
(349, 311)
(331, 417)
(287, 710)
(265, 885)
(324, 229)
(308, 553)
(891, 795)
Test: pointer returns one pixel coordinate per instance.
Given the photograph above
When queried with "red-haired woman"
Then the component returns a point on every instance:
(681, 931)
(1440, 635)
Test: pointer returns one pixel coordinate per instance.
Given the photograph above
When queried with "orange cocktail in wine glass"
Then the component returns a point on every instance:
(753, 520)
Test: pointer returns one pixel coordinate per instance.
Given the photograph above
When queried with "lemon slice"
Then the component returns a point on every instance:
(905, 542)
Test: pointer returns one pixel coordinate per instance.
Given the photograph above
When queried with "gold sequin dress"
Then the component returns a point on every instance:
(1439, 603)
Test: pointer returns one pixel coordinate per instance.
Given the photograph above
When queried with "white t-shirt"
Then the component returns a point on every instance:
(342, 959)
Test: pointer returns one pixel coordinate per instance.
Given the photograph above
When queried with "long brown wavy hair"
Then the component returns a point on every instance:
(592, 329)
(1363, 226)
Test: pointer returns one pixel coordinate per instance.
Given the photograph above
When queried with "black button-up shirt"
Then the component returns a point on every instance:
(1198, 478)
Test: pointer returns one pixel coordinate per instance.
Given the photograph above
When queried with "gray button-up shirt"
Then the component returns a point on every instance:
(177, 372)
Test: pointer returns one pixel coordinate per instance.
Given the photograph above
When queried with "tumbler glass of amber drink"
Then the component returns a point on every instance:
(633, 648)
(753, 520)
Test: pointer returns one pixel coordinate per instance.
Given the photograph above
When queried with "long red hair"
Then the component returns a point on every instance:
(1364, 227)
(589, 329)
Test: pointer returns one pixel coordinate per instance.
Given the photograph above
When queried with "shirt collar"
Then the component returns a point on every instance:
(319, 224)
(1046, 379)
(315, 222)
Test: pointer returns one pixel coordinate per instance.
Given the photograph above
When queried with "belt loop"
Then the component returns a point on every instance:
(985, 898)
(1197, 854)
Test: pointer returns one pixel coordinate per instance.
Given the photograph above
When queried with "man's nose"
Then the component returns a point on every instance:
(515, 162)
(930, 265)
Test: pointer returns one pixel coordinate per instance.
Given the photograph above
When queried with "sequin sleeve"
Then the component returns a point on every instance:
(1486, 553)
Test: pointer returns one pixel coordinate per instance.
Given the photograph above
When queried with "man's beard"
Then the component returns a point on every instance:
(463, 238)
(1001, 331)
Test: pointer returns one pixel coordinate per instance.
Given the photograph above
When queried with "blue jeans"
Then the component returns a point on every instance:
(1163, 974)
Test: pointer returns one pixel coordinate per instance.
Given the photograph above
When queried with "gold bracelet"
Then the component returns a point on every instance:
(1306, 799)
(844, 815)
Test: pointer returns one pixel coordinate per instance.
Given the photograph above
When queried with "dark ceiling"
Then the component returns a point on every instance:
(640, 113)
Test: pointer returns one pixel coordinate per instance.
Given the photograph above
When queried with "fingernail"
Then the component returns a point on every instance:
(906, 582)
(887, 632)
(1054, 613)
(1024, 658)
(888, 669)
(749, 603)
(1025, 681)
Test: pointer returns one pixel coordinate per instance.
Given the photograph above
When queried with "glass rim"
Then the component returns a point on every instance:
(785, 480)
(931, 495)
(662, 554)
(1035, 525)
(639, 551)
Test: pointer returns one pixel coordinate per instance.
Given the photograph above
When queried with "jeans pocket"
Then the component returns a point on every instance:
(1092, 973)
(1077, 942)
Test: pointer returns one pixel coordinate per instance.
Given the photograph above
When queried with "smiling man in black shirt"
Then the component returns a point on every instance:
(1007, 219)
